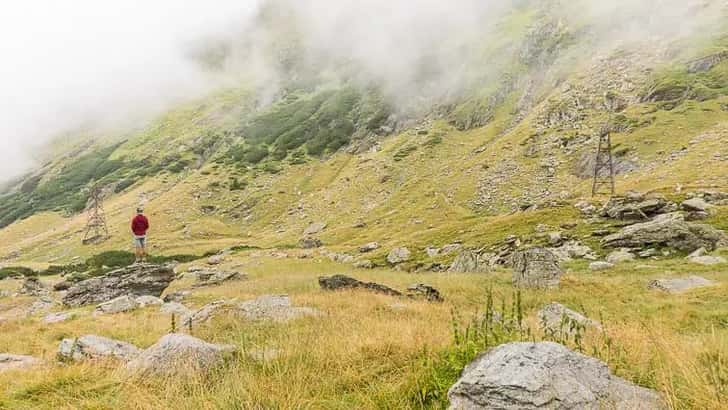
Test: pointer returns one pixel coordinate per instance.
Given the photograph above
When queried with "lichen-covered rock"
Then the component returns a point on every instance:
(95, 347)
(536, 268)
(371, 246)
(310, 243)
(546, 375)
(399, 255)
(670, 230)
(620, 256)
(426, 292)
(178, 354)
(134, 280)
(32, 286)
(213, 277)
(314, 228)
(469, 261)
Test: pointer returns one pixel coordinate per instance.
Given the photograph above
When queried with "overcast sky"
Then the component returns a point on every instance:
(65, 62)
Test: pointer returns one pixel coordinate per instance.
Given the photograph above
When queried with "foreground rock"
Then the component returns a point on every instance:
(670, 230)
(544, 376)
(536, 268)
(556, 317)
(680, 285)
(177, 354)
(16, 362)
(135, 280)
(92, 347)
(341, 282)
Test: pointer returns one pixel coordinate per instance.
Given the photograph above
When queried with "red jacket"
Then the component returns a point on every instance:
(139, 225)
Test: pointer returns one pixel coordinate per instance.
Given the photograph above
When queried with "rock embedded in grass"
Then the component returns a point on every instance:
(57, 317)
(470, 261)
(600, 266)
(620, 256)
(544, 375)
(536, 268)
(314, 228)
(92, 347)
(556, 317)
(399, 255)
(17, 362)
(118, 305)
(342, 282)
(179, 354)
(679, 285)
(371, 246)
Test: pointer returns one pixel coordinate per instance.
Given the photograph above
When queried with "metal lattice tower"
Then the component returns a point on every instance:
(604, 164)
(96, 230)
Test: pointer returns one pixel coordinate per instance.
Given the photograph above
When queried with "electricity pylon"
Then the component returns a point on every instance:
(604, 164)
(96, 230)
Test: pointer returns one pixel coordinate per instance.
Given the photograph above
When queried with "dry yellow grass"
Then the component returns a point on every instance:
(370, 351)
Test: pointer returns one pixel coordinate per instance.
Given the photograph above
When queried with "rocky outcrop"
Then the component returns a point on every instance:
(399, 255)
(635, 206)
(544, 375)
(134, 280)
(670, 230)
(680, 285)
(556, 317)
(536, 268)
(341, 282)
(17, 362)
(32, 286)
(178, 354)
(706, 63)
(92, 347)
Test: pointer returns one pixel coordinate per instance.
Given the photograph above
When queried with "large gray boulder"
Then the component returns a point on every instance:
(544, 375)
(536, 268)
(679, 285)
(469, 261)
(670, 230)
(121, 304)
(177, 354)
(92, 347)
(134, 280)
(636, 207)
(17, 362)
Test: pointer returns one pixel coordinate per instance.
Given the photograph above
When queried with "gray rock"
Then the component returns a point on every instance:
(546, 375)
(469, 261)
(422, 291)
(215, 259)
(708, 260)
(314, 228)
(177, 354)
(121, 304)
(341, 282)
(635, 208)
(17, 362)
(536, 268)
(680, 285)
(41, 305)
(310, 243)
(176, 308)
(670, 230)
(622, 255)
(556, 317)
(213, 277)
(371, 246)
(57, 317)
(135, 280)
(32, 286)
(364, 264)
(573, 250)
(95, 347)
(277, 308)
(144, 301)
(450, 248)
(177, 296)
(399, 255)
(600, 266)
(696, 205)
(207, 312)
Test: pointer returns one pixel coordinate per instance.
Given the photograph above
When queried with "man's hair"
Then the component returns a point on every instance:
(140, 210)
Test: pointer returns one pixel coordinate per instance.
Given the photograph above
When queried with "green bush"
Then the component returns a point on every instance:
(11, 271)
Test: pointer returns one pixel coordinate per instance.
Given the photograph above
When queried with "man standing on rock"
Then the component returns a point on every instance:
(139, 227)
